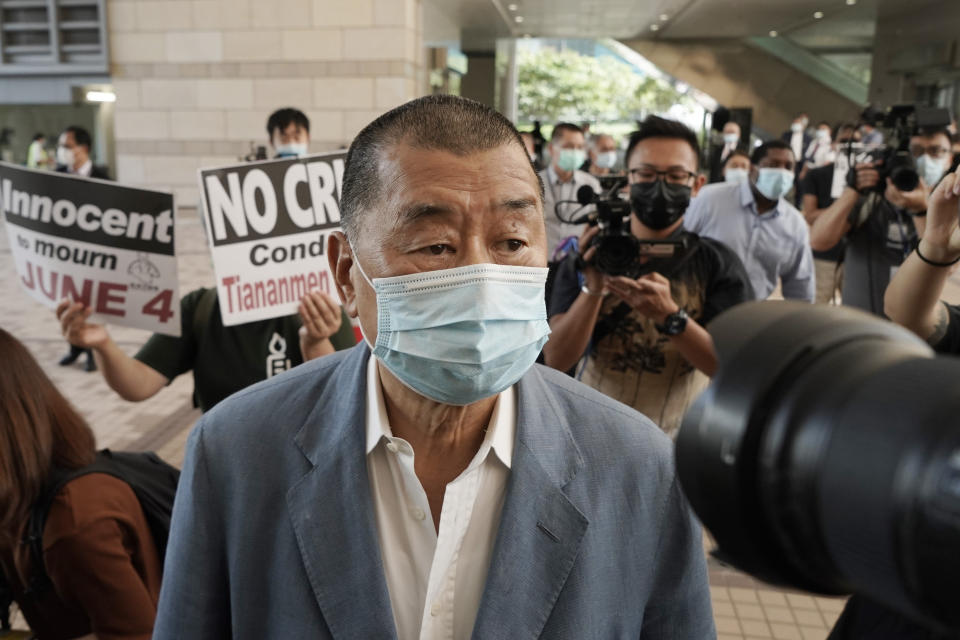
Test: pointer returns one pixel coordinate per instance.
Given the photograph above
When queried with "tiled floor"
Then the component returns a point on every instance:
(743, 607)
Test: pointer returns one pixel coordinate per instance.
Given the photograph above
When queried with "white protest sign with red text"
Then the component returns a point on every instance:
(267, 225)
(93, 241)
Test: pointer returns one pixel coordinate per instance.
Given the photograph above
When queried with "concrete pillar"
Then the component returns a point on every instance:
(480, 82)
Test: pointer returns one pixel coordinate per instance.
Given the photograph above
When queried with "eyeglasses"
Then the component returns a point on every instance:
(672, 176)
(934, 151)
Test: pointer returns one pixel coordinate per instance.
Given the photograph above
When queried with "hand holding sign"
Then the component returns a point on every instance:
(321, 317)
(268, 224)
(78, 332)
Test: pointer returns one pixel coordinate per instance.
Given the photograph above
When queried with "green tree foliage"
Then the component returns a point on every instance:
(564, 85)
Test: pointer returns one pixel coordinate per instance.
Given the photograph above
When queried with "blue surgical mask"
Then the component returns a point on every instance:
(606, 159)
(774, 183)
(730, 138)
(292, 150)
(734, 174)
(931, 169)
(571, 159)
(459, 335)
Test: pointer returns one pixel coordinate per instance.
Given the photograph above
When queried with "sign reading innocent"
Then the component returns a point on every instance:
(267, 224)
(92, 241)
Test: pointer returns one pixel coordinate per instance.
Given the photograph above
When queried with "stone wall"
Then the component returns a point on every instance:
(196, 79)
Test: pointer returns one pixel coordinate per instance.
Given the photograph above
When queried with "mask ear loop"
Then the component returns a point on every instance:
(370, 282)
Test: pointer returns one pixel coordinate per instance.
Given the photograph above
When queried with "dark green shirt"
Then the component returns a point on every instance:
(225, 360)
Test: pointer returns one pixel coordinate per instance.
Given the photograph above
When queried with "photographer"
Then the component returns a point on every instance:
(879, 221)
(821, 187)
(913, 297)
(642, 338)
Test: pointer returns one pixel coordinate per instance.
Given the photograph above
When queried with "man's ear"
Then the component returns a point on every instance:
(340, 257)
(698, 184)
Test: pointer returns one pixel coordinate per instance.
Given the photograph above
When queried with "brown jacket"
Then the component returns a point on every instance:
(102, 561)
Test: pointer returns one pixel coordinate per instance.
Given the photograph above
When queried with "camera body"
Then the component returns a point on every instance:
(619, 252)
(894, 159)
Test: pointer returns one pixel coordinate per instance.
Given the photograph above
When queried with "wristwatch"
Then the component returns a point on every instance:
(674, 324)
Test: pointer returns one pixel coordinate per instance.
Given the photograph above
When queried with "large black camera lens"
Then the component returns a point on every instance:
(825, 456)
(617, 255)
(903, 171)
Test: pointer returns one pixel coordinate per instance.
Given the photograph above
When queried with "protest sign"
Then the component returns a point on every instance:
(267, 225)
(92, 241)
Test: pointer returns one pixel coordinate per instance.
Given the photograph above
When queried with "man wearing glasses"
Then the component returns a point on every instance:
(755, 220)
(640, 338)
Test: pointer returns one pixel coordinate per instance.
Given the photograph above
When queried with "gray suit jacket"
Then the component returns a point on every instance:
(274, 535)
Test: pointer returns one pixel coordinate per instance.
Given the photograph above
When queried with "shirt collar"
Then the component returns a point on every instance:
(84, 169)
(499, 435)
(555, 179)
(749, 202)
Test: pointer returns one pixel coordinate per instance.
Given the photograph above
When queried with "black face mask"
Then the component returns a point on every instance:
(659, 204)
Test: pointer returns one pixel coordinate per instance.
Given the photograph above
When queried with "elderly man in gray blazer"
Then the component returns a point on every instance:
(433, 482)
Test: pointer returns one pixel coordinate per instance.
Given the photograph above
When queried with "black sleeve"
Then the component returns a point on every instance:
(566, 286)
(728, 284)
(809, 183)
(950, 342)
(344, 338)
(172, 356)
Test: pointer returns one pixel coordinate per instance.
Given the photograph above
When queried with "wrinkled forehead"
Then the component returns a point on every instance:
(416, 182)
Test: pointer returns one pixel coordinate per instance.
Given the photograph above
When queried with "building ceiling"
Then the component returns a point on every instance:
(842, 27)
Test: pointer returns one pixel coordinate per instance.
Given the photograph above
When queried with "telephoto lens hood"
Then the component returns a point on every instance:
(825, 456)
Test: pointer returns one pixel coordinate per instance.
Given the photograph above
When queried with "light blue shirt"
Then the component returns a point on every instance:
(774, 247)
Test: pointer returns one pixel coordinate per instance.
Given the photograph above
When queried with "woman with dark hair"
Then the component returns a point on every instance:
(98, 553)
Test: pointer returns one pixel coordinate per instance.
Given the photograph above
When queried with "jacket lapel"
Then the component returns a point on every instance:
(540, 528)
(332, 512)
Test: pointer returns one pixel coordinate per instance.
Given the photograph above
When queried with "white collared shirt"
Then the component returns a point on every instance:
(774, 246)
(84, 169)
(555, 191)
(436, 581)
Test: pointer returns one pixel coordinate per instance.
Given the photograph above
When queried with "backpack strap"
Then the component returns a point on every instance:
(6, 601)
(33, 537)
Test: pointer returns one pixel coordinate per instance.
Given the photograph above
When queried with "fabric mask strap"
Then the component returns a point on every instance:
(362, 273)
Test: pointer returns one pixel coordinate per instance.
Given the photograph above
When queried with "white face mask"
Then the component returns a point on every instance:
(293, 149)
(459, 335)
(730, 138)
(796, 127)
(734, 174)
(606, 159)
(774, 183)
(65, 157)
(931, 169)
(823, 134)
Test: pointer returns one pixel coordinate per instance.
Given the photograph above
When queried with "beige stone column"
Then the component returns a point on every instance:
(196, 79)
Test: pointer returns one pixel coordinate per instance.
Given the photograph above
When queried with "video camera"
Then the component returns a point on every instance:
(894, 159)
(825, 456)
(619, 252)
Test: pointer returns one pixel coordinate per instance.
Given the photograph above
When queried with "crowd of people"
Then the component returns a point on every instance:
(432, 479)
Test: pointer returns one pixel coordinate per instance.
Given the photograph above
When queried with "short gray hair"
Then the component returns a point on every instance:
(442, 122)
